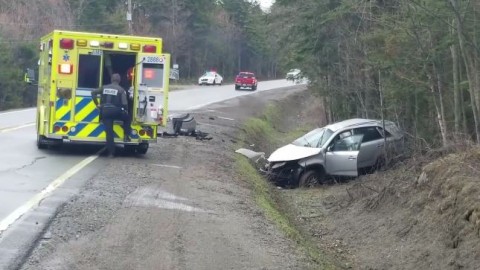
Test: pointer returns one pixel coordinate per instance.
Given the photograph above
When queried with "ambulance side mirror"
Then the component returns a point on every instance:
(30, 76)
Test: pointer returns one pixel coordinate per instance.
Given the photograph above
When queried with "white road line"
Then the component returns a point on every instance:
(16, 111)
(225, 118)
(35, 200)
(167, 166)
(5, 130)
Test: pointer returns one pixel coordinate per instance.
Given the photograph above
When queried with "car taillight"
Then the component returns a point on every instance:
(66, 43)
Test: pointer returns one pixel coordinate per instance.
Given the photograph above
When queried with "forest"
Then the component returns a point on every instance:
(415, 62)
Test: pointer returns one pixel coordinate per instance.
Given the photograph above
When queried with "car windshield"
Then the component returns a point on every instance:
(315, 138)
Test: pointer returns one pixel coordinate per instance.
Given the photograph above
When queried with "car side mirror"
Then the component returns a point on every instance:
(30, 76)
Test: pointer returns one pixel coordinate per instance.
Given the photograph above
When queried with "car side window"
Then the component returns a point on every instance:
(369, 133)
(348, 142)
(386, 132)
(339, 143)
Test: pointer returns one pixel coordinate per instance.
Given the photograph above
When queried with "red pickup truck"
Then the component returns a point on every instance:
(246, 80)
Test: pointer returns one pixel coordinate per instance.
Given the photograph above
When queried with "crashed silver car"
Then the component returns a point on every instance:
(339, 149)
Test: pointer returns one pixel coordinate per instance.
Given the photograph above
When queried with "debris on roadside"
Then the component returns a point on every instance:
(185, 125)
(257, 157)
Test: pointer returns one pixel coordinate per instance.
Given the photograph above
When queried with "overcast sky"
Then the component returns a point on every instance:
(265, 3)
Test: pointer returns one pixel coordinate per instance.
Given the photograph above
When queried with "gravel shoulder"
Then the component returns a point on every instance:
(182, 206)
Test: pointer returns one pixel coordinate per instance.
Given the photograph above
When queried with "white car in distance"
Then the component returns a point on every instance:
(210, 78)
(293, 74)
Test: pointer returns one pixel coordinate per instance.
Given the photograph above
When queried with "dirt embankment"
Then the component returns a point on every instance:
(422, 214)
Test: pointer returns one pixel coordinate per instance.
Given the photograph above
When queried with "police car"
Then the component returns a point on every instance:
(210, 78)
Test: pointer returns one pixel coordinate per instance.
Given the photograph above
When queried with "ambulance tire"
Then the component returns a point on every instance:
(129, 149)
(142, 148)
(41, 142)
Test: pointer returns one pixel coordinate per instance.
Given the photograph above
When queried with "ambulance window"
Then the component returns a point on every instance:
(89, 71)
(152, 75)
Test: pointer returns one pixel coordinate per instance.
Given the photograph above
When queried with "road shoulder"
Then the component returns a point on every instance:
(182, 206)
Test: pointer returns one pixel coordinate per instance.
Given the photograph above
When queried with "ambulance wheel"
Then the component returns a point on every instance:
(41, 142)
(129, 149)
(142, 148)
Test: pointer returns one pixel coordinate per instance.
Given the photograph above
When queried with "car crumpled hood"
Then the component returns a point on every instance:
(292, 152)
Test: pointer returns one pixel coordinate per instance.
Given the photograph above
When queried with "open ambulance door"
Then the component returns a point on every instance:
(89, 78)
(152, 82)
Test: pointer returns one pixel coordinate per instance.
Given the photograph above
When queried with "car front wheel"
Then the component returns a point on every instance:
(310, 178)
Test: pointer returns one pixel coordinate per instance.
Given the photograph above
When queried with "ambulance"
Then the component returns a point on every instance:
(73, 64)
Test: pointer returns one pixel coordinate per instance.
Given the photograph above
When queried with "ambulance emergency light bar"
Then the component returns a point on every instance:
(69, 44)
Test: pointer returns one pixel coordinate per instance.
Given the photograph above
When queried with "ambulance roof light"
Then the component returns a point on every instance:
(108, 45)
(82, 43)
(67, 43)
(135, 46)
(94, 43)
(149, 48)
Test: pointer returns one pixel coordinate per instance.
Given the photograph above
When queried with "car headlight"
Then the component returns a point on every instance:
(278, 165)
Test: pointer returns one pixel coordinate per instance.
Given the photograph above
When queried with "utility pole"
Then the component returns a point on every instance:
(129, 17)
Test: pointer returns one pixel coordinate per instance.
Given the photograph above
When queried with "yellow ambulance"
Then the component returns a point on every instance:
(72, 64)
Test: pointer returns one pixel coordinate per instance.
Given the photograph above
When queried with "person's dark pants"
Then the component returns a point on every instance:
(109, 115)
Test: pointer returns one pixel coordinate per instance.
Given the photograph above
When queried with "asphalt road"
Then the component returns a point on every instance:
(34, 183)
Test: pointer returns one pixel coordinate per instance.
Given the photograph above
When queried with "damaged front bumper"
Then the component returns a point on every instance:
(284, 173)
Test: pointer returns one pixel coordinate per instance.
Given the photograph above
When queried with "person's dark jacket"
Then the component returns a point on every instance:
(112, 94)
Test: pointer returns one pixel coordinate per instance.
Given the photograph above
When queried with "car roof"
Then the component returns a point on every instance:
(356, 122)
(245, 72)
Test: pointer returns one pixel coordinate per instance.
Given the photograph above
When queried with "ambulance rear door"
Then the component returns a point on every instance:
(88, 79)
(152, 84)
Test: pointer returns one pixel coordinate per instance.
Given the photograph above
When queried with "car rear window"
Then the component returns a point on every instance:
(246, 75)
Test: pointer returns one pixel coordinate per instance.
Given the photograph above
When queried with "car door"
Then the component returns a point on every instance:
(341, 155)
(372, 146)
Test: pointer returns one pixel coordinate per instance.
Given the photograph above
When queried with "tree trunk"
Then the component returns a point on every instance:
(470, 69)
(456, 90)
(434, 88)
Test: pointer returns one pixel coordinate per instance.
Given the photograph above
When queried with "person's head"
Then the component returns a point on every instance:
(116, 78)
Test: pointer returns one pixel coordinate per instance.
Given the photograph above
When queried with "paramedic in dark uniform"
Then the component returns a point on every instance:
(113, 106)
